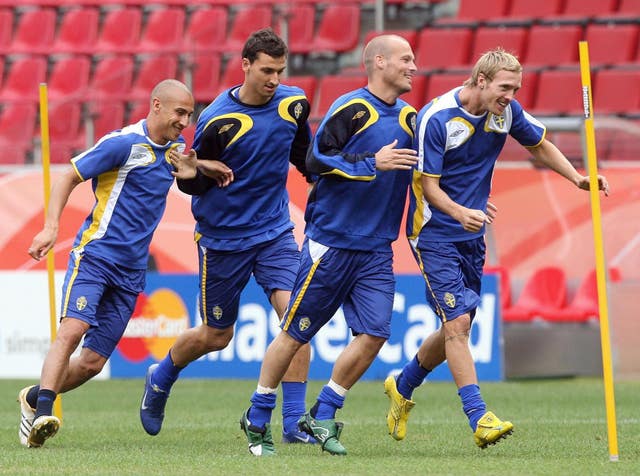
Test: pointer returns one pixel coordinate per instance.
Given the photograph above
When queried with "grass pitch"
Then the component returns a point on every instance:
(560, 429)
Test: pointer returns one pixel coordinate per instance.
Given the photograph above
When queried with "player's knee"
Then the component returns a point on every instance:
(217, 339)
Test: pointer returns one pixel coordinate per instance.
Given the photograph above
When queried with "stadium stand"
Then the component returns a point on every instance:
(339, 29)
(584, 305)
(35, 32)
(17, 126)
(443, 48)
(105, 116)
(204, 68)
(120, 31)
(6, 29)
(112, 77)
(247, 19)
(23, 78)
(552, 45)
(206, 30)
(330, 88)
(78, 31)
(300, 21)
(552, 97)
(504, 286)
(617, 91)
(441, 83)
(306, 83)
(601, 37)
(163, 31)
(65, 130)
(472, 13)
(544, 292)
(512, 39)
(69, 79)
(152, 70)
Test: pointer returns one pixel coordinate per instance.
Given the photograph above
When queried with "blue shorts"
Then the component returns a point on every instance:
(102, 295)
(224, 274)
(361, 281)
(453, 275)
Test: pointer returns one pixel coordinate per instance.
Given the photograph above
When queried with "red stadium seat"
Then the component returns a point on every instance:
(1, 71)
(78, 31)
(616, 91)
(205, 74)
(65, 130)
(504, 285)
(247, 20)
(330, 88)
(442, 48)
(545, 291)
(34, 32)
(137, 110)
(112, 77)
(339, 29)
(415, 97)
(189, 133)
(306, 83)
(23, 79)
(559, 92)
(206, 30)
(601, 37)
(589, 8)
(584, 305)
(163, 32)
(120, 31)
(300, 20)
(69, 78)
(6, 30)
(106, 116)
(440, 83)
(526, 9)
(472, 12)
(631, 7)
(233, 75)
(526, 94)
(153, 69)
(511, 39)
(17, 125)
(553, 45)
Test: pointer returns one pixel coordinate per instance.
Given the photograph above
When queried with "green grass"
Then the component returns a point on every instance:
(560, 429)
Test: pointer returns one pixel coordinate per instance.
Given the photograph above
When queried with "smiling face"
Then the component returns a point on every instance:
(261, 78)
(495, 95)
(400, 66)
(171, 110)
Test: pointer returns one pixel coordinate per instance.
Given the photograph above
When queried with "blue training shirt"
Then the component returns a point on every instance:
(462, 150)
(131, 176)
(353, 205)
(257, 143)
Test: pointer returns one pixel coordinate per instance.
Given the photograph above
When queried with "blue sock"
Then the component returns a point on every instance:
(262, 404)
(411, 377)
(472, 404)
(293, 404)
(32, 396)
(166, 374)
(45, 403)
(327, 404)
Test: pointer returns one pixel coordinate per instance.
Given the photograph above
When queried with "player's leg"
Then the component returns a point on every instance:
(223, 275)
(310, 307)
(367, 307)
(275, 270)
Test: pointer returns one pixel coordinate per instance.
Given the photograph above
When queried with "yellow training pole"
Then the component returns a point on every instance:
(44, 135)
(605, 340)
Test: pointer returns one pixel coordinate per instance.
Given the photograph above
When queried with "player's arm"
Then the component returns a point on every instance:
(60, 193)
(211, 171)
(301, 141)
(470, 219)
(549, 155)
(327, 156)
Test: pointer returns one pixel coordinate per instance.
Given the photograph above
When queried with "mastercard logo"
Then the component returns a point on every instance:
(156, 323)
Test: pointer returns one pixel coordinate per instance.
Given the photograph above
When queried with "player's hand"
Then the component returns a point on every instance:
(389, 158)
(603, 185)
(219, 171)
(472, 220)
(42, 243)
(491, 212)
(185, 165)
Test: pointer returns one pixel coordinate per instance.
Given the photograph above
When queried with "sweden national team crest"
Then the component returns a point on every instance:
(297, 110)
(449, 300)
(217, 312)
(304, 324)
(81, 303)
